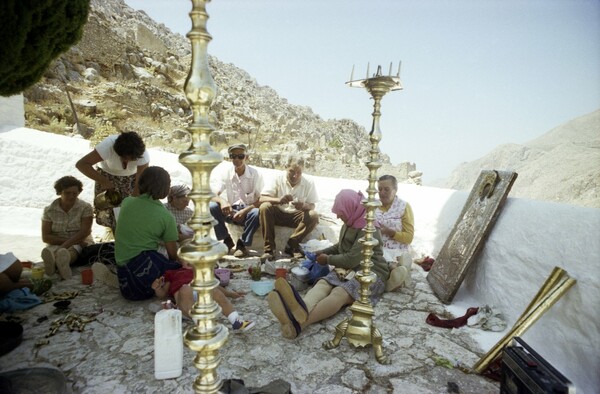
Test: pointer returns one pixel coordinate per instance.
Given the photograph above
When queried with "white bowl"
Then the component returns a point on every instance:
(262, 287)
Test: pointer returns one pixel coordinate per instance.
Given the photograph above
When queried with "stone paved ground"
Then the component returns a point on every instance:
(114, 353)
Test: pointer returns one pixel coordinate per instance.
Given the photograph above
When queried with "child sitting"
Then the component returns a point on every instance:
(176, 284)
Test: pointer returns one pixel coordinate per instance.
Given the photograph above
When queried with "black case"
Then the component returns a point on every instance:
(524, 371)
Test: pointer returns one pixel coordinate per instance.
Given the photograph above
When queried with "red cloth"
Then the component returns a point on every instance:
(178, 278)
(433, 320)
(426, 263)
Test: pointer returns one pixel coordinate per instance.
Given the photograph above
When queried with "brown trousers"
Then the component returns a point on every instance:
(270, 216)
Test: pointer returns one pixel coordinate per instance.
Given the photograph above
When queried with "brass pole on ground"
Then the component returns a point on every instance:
(359, 329)
(551, 291)
(203, 252)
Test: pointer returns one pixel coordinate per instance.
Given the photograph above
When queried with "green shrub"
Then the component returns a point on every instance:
(34, 33)
(336, 143)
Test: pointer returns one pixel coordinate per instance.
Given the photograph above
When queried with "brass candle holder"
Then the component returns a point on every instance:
(359, 329)
(202, 252)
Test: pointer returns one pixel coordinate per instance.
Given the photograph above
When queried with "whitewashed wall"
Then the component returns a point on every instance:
(528, 240)
(12, 112)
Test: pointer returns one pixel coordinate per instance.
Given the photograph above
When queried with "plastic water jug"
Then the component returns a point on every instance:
(168, 344)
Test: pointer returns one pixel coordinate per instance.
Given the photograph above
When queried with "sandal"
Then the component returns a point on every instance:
(290, 328)
(292, 300)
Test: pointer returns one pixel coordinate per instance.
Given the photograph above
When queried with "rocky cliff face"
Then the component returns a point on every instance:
(562, 165)
(128, 72)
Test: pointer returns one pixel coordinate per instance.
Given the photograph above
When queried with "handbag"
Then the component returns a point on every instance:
(315, 270)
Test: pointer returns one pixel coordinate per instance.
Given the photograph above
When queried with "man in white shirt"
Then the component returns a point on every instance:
(237, 200)
(289, 201)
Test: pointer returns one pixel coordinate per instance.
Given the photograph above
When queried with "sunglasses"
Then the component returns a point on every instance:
(239, 156)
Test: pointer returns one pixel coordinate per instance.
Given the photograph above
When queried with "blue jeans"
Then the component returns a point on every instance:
(136, 277)
(251, 223)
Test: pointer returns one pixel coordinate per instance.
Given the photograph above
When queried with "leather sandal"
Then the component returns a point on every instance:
(292, 299)
(290, 328)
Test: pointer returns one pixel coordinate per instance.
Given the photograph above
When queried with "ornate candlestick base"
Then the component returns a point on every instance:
(359, 329)
(203, 252)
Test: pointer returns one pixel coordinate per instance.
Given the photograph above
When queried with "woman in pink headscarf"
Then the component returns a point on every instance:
(339, 288)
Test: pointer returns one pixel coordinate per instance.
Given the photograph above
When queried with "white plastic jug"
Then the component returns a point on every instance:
(168, 344)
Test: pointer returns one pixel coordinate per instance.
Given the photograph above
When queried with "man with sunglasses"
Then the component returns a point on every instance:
(288, 201)
(237, 200)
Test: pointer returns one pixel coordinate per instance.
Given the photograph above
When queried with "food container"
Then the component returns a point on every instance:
(301, 273)
(108, 199)
(299, 278)
(223, 275)
(261, 287)
(168, 344)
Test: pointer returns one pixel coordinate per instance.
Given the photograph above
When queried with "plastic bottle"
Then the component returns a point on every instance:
(168, 344)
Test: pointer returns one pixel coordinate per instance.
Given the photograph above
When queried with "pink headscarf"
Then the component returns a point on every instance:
(349, 204)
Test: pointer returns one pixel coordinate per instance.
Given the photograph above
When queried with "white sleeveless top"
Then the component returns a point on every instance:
(392, 219)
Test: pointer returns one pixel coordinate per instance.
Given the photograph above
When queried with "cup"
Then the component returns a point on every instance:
(223, 275)
(37, 271)
(281, 273)
(87, 276)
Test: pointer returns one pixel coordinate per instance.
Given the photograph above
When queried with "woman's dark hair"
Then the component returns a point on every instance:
(129, 144)
(390, 178)
(66, 182)
(155, 181)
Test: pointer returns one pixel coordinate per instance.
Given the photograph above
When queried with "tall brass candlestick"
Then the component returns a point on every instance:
(203, 252)
(359, 329)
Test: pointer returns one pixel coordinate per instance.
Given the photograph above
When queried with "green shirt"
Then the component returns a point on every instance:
(347, 253)
(142, 224)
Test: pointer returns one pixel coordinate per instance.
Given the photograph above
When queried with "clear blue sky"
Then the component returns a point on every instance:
(476, 73)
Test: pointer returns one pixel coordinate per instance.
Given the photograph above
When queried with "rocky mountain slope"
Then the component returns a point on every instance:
(127, 74)
(562, 165)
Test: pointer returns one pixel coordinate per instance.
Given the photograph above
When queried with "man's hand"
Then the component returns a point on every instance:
(286, 199)
(226, 209)
(239, 216)
(298, 205)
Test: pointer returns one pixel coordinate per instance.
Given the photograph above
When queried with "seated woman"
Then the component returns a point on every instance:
(396, 223)
(177, 203)
(66, 227)
(334, 291)
(121, 159)
(143, 224)
(11, 270)
(10, 274)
